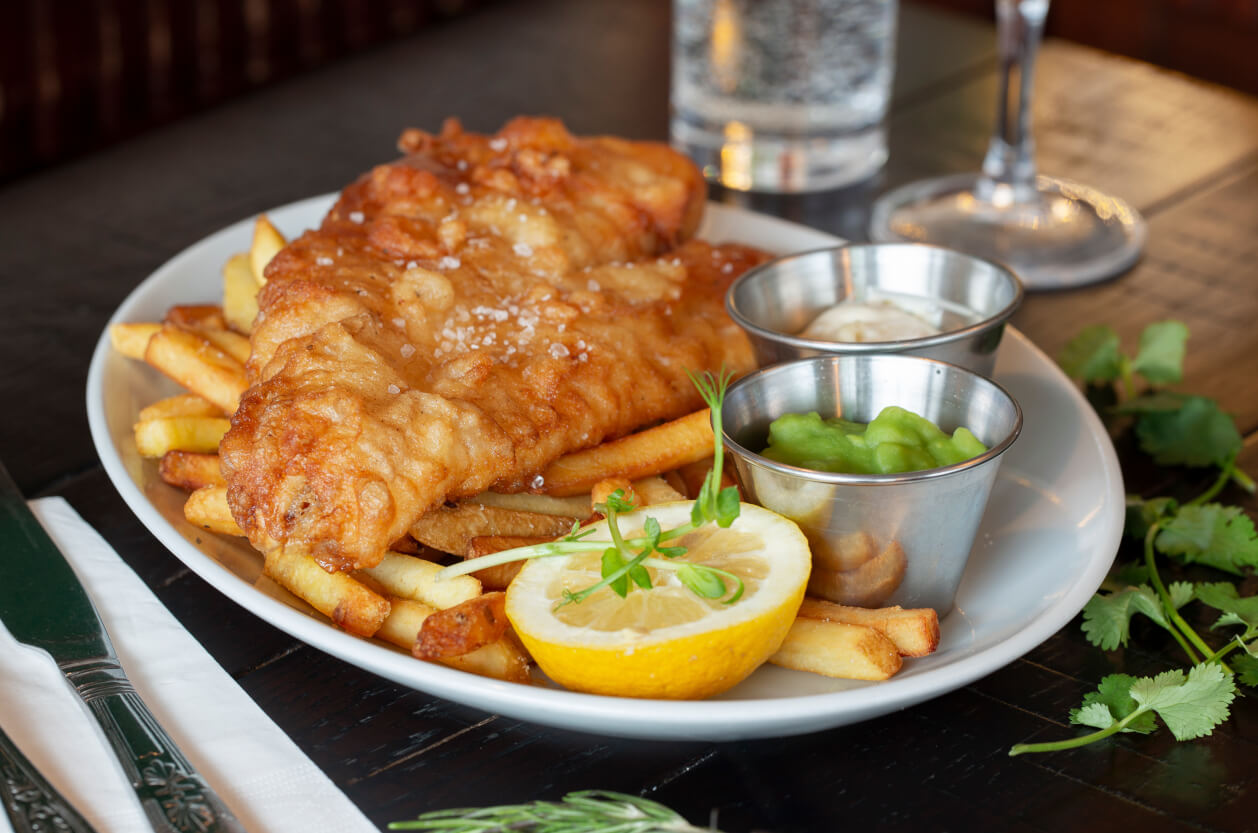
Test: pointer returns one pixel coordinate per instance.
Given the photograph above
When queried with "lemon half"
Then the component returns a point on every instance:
(665, 642)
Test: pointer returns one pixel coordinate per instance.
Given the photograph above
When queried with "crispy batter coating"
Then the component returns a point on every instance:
(463, 317)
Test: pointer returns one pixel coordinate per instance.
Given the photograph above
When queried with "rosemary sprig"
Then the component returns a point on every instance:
(587, 811)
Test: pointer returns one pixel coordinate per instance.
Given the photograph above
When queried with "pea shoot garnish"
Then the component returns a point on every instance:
(625, 560)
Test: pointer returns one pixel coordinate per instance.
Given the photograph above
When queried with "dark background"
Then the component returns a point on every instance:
(79, 74)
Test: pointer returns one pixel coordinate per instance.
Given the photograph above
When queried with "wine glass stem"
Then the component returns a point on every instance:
(1010, 159)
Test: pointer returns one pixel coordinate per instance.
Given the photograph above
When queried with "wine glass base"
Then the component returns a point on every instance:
(1060, 235)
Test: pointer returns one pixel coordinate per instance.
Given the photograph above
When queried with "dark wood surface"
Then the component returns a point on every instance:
(78, 238)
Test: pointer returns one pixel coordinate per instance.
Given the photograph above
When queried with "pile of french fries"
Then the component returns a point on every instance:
(461, 622)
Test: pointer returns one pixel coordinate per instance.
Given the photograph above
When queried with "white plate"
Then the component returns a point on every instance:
(1049, 536)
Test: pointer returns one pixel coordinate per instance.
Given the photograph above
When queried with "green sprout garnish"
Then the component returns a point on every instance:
(625, 560)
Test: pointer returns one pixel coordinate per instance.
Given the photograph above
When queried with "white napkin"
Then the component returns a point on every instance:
(263, 777)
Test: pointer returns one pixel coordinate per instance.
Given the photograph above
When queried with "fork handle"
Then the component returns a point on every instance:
(33, 804)
(175, 798)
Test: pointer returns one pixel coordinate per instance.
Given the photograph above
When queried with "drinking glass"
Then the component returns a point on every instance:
(1053, 232)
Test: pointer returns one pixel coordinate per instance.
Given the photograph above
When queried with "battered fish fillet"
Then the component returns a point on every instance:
(463, 317)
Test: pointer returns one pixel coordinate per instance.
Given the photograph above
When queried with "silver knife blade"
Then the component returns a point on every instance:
(43, 604)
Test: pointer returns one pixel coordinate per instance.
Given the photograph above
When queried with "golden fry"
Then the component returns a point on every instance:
(131, 340)
(207, 508)
(497, 578)
(155, 437)
(575, 506)
(415, 578)
(463, 628)
(240, 294)
(852, 652)
(343, 599)
(197, 317)
(448, 529)
(406, 617)
(190, 470)
(653, 451)
(914, 631)
(198, 365)
(183, 404)
(267, 242)
(501, 660)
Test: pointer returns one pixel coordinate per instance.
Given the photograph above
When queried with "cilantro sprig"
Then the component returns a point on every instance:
(1175, 429)
(625, 560)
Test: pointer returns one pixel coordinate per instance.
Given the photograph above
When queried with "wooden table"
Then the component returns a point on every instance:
(79, 237)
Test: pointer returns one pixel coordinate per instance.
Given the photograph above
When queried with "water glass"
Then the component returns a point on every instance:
(782, 95)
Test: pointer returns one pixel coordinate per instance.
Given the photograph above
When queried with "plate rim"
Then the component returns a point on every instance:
(598, 714)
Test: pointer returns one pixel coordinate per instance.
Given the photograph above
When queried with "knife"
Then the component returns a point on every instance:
(34, 805)
(43, 605)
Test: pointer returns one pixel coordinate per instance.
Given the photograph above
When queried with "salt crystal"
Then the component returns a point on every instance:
(523, 249)
(592, 285)
(448, 262)
(394, 389)
(408, 350)
(461, 164)
(399, 322)
(727, 268)
(462, 188)
(356, 217)
(498, 145)
(557, 351)
(538, 481)
(323, 261)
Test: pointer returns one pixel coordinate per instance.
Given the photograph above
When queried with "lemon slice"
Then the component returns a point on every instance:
(665, 642)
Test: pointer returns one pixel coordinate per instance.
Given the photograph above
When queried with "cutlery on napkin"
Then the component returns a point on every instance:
(261, 774)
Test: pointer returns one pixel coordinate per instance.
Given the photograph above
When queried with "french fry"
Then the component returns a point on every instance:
(190, 470)
(155, 437)
(131, 340)
(576, 506)
(497, 578)
(207, 508)
(655, 450)
(406, 617)
(197, 317)
(835, 649)
(448, 529)
(869, 585)
(343, 599)
(463, 628)
(415, 578)
(230, 342)
(267, 242)
(240, 293)
(183, 404)
(198, 365)
(501, 660)
(914, 631)
(655, 489)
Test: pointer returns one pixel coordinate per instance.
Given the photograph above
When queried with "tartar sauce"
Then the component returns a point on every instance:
(855, 321)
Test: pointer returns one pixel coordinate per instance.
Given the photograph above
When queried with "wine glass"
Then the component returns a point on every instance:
(1053, 232)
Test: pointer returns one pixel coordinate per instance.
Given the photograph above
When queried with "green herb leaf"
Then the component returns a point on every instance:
(1197, 434)
(1222, 537)
(1110, 703)
(1161, 356)
(1142, 514)
(1190, 706)
(1093, 355)
(1107, 618)
(701, 581)
(613, 562)
(1246, 668)
(1237, 609)
(727, 507)
(617, 501)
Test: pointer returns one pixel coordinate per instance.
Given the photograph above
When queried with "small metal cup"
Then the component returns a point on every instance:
(967, 298)
(916, 528)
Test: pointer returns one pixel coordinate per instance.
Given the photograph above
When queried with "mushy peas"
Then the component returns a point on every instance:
(897, 440)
